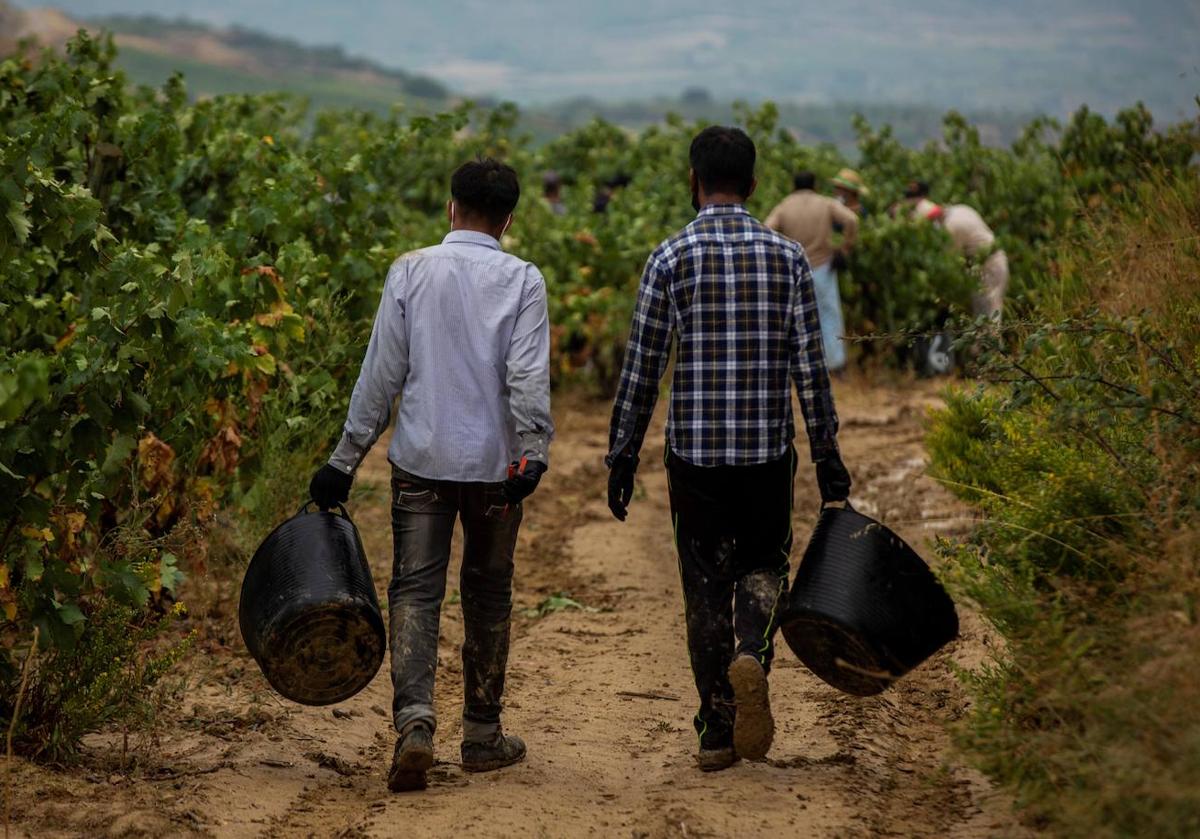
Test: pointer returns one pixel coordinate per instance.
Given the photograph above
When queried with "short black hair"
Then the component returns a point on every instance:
(804, 180)
(723, 160)
(619, 180)
(916, 189)
(486, 187)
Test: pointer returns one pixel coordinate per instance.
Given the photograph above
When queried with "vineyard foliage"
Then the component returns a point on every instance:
(186, 289)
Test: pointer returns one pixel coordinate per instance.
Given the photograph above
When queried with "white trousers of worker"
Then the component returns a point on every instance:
(993, 283)
(829, 309)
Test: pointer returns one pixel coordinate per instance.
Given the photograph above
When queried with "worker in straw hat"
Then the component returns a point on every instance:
(848, 187)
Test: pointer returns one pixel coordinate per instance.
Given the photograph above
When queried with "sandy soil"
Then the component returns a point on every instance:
(603, 696)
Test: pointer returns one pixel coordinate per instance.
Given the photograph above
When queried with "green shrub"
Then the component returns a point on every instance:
(112, 676)
(1053, 499)
(1082, 451)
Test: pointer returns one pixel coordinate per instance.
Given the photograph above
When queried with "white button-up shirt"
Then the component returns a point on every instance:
(462, 336)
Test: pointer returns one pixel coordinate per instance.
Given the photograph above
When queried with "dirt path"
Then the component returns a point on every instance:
(603, 696)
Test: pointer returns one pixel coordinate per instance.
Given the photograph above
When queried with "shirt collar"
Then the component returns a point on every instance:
(724, 210)
(471, 237)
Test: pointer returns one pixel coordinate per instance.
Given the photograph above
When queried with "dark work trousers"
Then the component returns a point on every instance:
(733, 532)
(423, 518)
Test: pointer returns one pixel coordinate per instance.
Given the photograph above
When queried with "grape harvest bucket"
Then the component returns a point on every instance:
(864, 608)
(308, 610)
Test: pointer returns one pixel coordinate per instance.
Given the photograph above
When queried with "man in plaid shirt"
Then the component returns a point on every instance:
(738, 300)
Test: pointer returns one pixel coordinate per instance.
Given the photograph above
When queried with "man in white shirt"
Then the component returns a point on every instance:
(463, 338)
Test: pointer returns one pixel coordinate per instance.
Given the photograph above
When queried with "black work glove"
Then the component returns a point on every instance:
(839, 262)
(833, 478)
(522, 480)
(330, 487)
(620, 484)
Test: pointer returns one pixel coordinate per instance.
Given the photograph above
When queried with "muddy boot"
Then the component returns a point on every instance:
(714, 760)
(413, 758)
(502, 750)
(753, 726)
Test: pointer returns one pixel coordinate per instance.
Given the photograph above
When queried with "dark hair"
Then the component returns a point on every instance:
(805, 180)
(619, 180)
(916, 189)
(723, 160)
(486, 187)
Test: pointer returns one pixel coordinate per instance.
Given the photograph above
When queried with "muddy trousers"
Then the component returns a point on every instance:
(424, 513)
(733, 533)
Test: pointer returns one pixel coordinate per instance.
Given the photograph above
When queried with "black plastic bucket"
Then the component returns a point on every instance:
(864, 608)
(308, 613)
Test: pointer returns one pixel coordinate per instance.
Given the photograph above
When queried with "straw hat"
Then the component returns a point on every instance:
(850, 180)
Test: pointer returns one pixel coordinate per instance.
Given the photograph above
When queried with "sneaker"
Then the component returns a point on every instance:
(413, 758)
(714, 760)
(502, 750)
(753, 725)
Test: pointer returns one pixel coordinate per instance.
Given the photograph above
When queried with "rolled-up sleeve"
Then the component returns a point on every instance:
(808, 365)
(528, 371)
(384, 369)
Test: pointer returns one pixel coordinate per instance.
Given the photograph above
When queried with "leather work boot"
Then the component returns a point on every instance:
(413, 758)
(502, 750)
(714, 760)
(753, 725)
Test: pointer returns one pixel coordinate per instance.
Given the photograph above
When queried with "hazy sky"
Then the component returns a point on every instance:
(1021, 54)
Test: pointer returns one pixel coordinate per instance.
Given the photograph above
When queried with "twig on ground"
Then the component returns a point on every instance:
(207, 770)
(634, 694)
(12, 725)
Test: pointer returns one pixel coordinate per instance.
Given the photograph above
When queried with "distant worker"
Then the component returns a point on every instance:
(552, 193)
(848, 188)
(608, 192)
(916, 196)
(974, 240)
(808, 217)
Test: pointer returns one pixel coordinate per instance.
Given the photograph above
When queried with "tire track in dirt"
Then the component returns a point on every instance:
(603, 696)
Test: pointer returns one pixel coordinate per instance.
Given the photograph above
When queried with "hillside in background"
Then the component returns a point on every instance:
(1048, 56)
(237, 60)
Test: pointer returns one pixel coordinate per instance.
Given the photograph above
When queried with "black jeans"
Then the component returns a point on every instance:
(733, 532)
(423, 517)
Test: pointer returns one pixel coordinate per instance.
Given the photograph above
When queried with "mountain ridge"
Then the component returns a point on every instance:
(233, 59)
(1049, 56)
(237, 59)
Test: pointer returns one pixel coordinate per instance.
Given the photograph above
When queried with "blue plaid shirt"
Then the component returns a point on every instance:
(738, 299)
